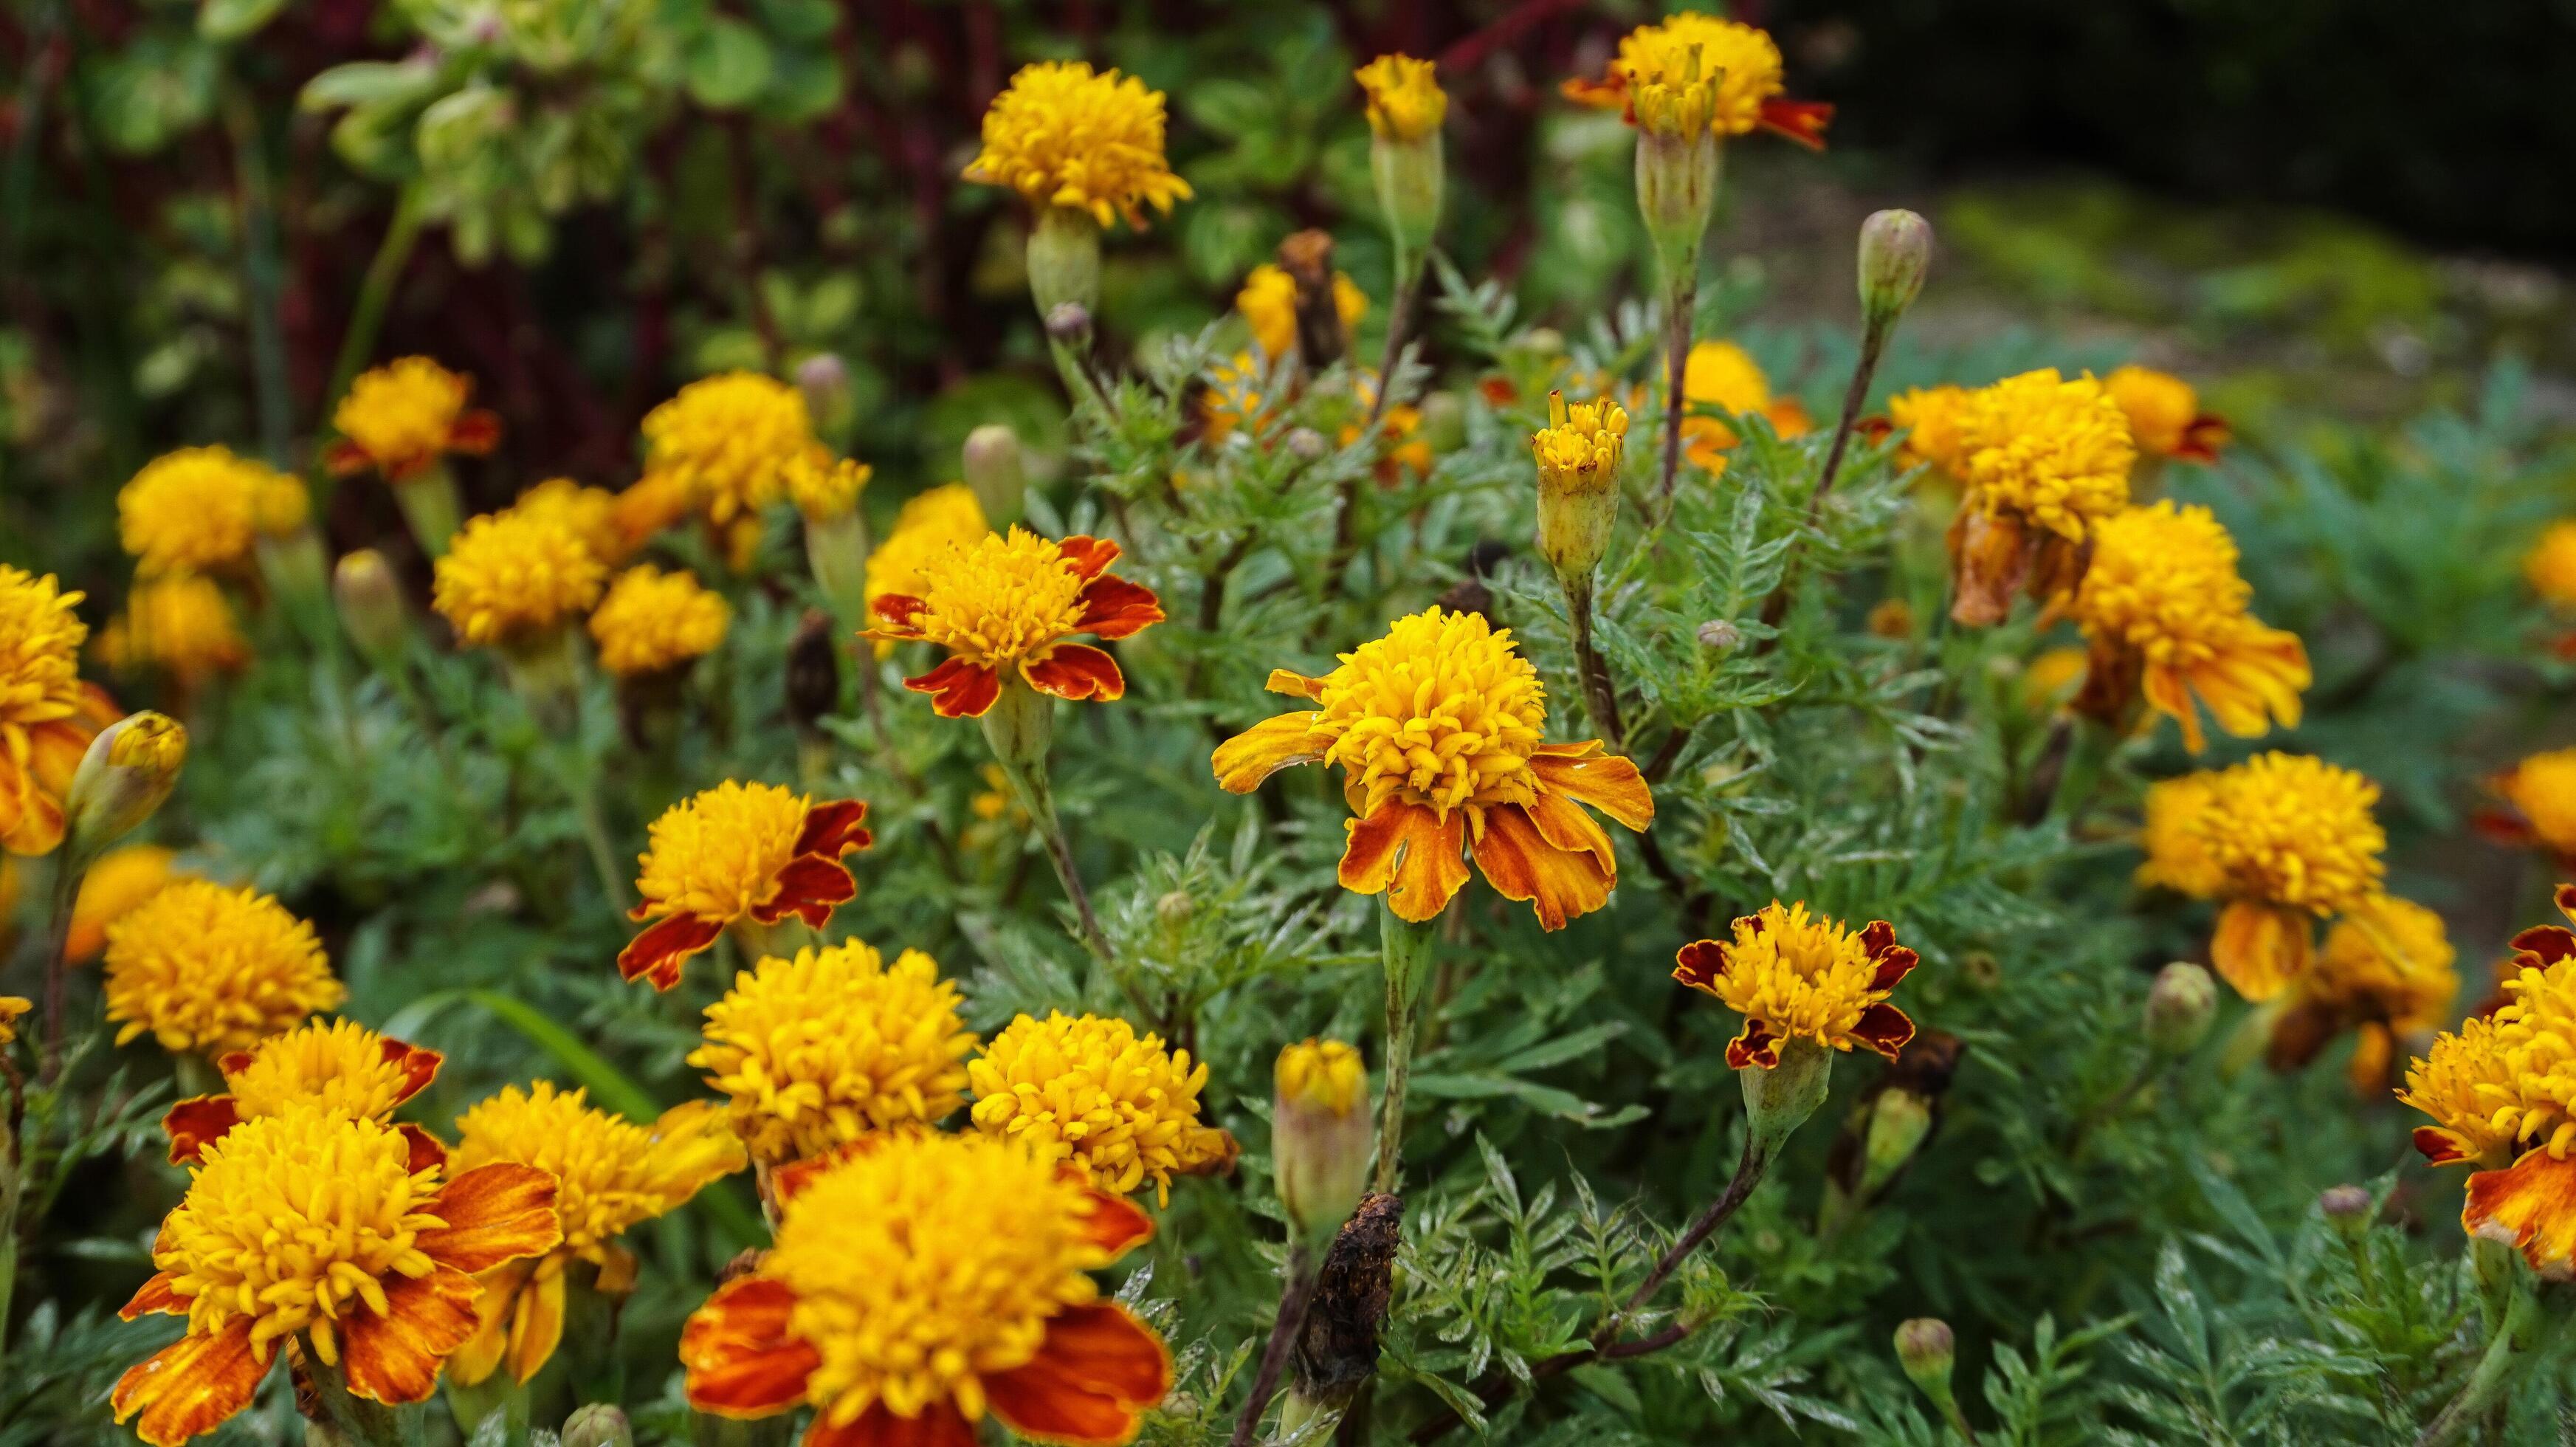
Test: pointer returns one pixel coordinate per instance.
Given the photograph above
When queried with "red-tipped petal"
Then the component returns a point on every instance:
(958, 689)
(1114, 608)
(1116, 1224)
(474, 433)
(1803, 121)
(738, 1355)
(1077, 671)
(898, 610)
(394, 1358)
(1090, 556)
(427, 1152)
(155, 1298)
(1097, 1370)
(419, 1066)
(192, 1386)
(2550, 942)
(1757, 1046)
(494, 1213)
(1700, 964)
(197, 1123)
(834, 828)
(808, 888)
(659, 952)
(1883, 1028)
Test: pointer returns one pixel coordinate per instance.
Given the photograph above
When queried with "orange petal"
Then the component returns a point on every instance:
(940, 1426)
(154, 1296)
(898, 610)
(1242, 762)
(739, 1358)
(835, 827)
(1077, 671)
(494, 1213)
(427, 1153)
(1609, 93)
(1607, 782)
(1090, 556)
(1097, 1369)
(1116, 1224)
(191, 1386)
(2441, 1147)
(2530, 1206)
(393, 1358)
(480, 1355)
(1116, 608)
(659, 952)
(474, 433)
(1407, 853)
(958, 689)
(1519, 862)
(1564, 825)
(419, 1066)
(1287, 681)
(196, 1123)
(808, 888)
(2260, 948)
(1803, 121)
(536, 1323)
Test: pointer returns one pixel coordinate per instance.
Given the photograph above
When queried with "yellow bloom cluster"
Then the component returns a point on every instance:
(1065, 135)
(206, 969)
(120, 880)
(1580, 448)
(2540, 793)
(610, 1173)
(729, 441)
(1929, 418)
(1442, 711)
(1000, 600)
(46, 714)
(512, 578)
(1089, 1089)
(652, 620)
(1322, 1075)
(1739, 65)
(201, 509)
(404, 416)
(826, 488)
(588, 513)
(1796, 976)
(930, 524)
(719, 852)
(2050, 450)
(2390, 960)
(2162, 599)
(2177, 854)
(1405, 102)
(179, 623)
(13, 1008)
(2550, 566)
(2164, 413)
(339, 1065)
(2294, 830)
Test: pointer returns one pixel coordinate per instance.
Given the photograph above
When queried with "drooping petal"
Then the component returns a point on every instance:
(1756, 1047)
(1077, 671)
(419, 1066)
(1117, 608)
(191, 1386)
(1802, 121)
(494, 1213)
(1090, 556)
(834, 827)
(940, 1426)
(1117, 1225)
(196, 1123)
(1564, 824)
(2530, 1206)
(1098, 1368)
(2260, 948)
(1607, 782)
(1242, 762)
(659, 952)
(2442, 1147)
(808, 888)
(537, 1321)
(1883, 1028)
(394, 1357)
(1519, 862)
(1288, 681)
(1409, 854)
(155, 1296)
(2550, 943)
(740, 1360)
(958, 689)
(1701, 964)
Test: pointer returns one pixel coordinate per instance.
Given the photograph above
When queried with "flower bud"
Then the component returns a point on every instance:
(2179, 1009)
(1895, 251)
(1779, 1098)
(825, 380)
(1578, 456)
(1064, 263)
(1175, 908)
(1321, 1143)
(1677, 166)
(597, 1424)
(371, 605)
(1719, 636)
(1405, 108)
(2347, 1208)
(1068, 323)
(997, 471)
(1307, 445)
(1926, 1349)
(128, 772)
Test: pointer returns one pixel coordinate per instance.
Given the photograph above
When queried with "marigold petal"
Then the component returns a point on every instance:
(1244, 761)
(1757, 1046)
(1883, 1028)
(2530, 1206)
(659, 952)
(1409, 854)
(1803, 121)
(958, 689)
(1520, 863)
(197, 1122)
(2548, 943)
(898, 610)
(1077, 671)
(940, 1426)
(1283, 680)
(834, 827)
(476, 433)
(1096, 1370)
(1117, 1225)
(1607, 782)
(536, 1323)
(809, 887)
(1114, 608)
(2442, 1147)
(740, 1360)
(480, 1355)
(494, 1213)
(155, 1297)
(1564, 825)
(419, 1066)
(2260, 948)
(427, 1151)
(394, 1357)
(1700, 964)
(191, 1386)
(1090, 556)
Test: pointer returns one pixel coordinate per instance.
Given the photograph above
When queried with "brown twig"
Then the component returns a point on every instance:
(1295, 1296)
(1677, 344)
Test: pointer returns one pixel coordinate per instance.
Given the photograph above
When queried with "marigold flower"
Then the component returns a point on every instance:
(1743, 63)
(1064, 135)
(739, 851)
(2164, 414)
(610, 1175)
(311, 1227)
(12, 1009)
(1578, 456)
(2291, 838)
(652, 620)
(1724, 376)
(119, 880)
(826, 488)
(202, 509)
(178, 623)
(925, 1282)
(652, 503)
(820, 1050)
(728, 441)
(2539, 806)
(2550, 566)
(512, 578)
(2042, 460)
(124, 776)
(402, 418)
(1319, 1134)
(211, 970)
(1436, 728)
(929, 523)
(2168, 617)
(47, 715)
(2385, 973)
(1793, 976)
(2051, 679)
(2177, 853)
(1929, 417)
(1268, 302)
(588, 513)
(1405, 102)
(1003, 606)
(339, 1065)
(1090, 1090)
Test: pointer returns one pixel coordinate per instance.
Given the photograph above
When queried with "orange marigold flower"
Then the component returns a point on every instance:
(2385, 973)
(2169, 619)
(203, 509)
(2539, 806)
(2164, 414)
(402, 418)
(312, 1227)
(922, 1282)
(1003, 607)
(339, 1065)
(1744, 64)
(1437, 729)
(739, 851)
(2042, 458)
(1065, 135)
(1796, 976)
(1405, 102)
(47, 715)
(651, 621)
(2290, 839)
(1723, 377)
(1929, 418)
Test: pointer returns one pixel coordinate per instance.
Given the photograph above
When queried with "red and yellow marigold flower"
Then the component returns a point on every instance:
(610, 1175)
(1065, 135)
(513, 579)
(2177, 851)
(923, 1283)
(2041, 459)
(402, 418)
(728, 441)
(208, 970)
(339, 1065)
(120, 879)
(1744, 64)
(47, 715)
(203, 510)
(1723, 377)
(2169, 619)
(1268, 302)
(2291, 839)
(2385, 973)
(178, 623)
(1004, 606)
(1089, 1090)
(651, 621)
(312, 1228)
(1437, 729)
(833, 1045)
(2538, 799)
(738, 851)
(928, 525)
(1796, 976)
(2164, 414)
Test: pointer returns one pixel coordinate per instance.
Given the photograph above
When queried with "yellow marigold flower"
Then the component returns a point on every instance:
(1268, 302)
(2539, 796)
(179, 623)
(115, 884)
(729, 440)
(1063, 135)
(313, 1227)
(2177, 855)
(2467, 1084)
(826, 488)
(1581, 446)
(12, 1009)
(1723, 376)
(650, 504)
(739, 851)
(2042, 460)
(1004, 607)
(1929, 417)
(610, 1175)
(2168, 617)
(2164, 414)
(1090, 1090)
(2291, 838)
(1796, 976)
(2550, 566)
(817, 1051)
(1690, 50)
(201, 509)
(588, 513)
(338, 1065)
(2051, 679)
(1436, 728)
(1405, 102)
(511, 579)
(652, 620)
(206, 969)
(922, 1283)
(47, 715)
(2385, 973)
(402, 418)
(929, 524)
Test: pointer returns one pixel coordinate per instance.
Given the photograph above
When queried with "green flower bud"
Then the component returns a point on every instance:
(128, 772)
(1677, 178)
(1064, 261)
(1779, 1098)
(1926, 1349)
(2179, 1009)
(598, 1424)
(371, 605)
(997, 471)
(1321, 1142)
(1895, 251)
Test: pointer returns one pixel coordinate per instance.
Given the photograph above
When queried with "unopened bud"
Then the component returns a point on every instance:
(1064, 266)
(1321, 1143)
(2346, 1208)
(1898, 1122)
(1719, 636)
(1176, 908)
(2180, 1006)
(1677, 176)
(1895, 251)
(371, 605)
(997, 471)
(1926, 1349)
(825, 380)
(1405, 107)
(1306, 444)
(598, 1424)
(1778, 1098)
(128, 772)
(1578, 455)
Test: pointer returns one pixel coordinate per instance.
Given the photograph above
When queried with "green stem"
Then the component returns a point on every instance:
(1407, 947)
(2517, 1340)
(364, 1423)
(1679, 305)
(1600, 695)
(367, 317)
(594, 838)
(1295, 1296)
(69, 869)
(260, 274)
(498, 1395)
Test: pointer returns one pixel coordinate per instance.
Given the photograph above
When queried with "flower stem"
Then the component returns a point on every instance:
(2519, 1334)
(1295, 1295)
(1600, 695)
(367, 318)
(1679, 306)
(1020, 725)
(1407, 949)
(70, 869)
(362, 1422)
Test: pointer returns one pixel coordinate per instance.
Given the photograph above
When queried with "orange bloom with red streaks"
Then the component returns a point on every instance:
(734, 852)
(1795, 976)
(922, 1282)
(339, 1065)
(1437, 729)
(1004, 606)
(311, 1227)
(403, 417)
(1743, 63)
